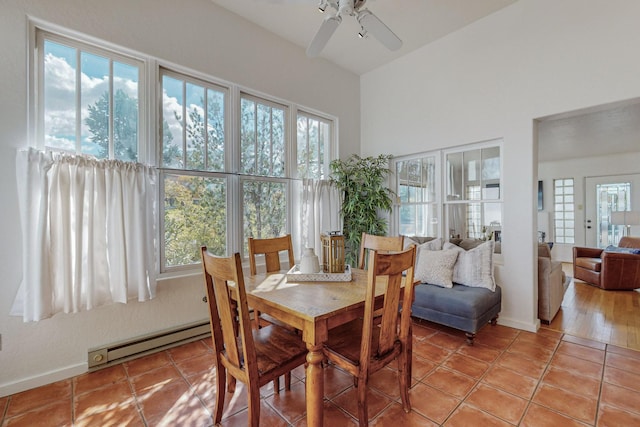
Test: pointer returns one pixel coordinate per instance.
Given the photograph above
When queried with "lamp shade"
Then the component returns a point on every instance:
(625, 218)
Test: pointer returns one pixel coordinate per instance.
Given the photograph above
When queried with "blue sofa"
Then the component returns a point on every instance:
(466, 308)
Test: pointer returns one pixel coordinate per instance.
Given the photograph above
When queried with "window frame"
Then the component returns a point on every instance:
(436, 203)
(494, 143)
(440, 203)
(41, 31)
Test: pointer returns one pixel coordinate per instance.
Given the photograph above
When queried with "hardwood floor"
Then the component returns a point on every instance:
(611, 317)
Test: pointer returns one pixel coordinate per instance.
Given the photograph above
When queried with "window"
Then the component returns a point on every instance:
(417, 208)
(471, 183)
(473, 201)
(194, 185)
(217, 184)
(314, 136)
(89, 99)
(263, 148)
(200, 178)
(564, 215)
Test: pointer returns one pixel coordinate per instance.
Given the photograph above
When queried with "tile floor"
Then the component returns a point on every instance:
(509, 378)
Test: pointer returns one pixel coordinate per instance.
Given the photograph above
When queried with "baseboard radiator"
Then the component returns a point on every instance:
(141, 346)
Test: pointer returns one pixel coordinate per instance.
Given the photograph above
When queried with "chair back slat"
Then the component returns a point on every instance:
(389, 269)
(382, 244)
(230, 322)
(271, 249)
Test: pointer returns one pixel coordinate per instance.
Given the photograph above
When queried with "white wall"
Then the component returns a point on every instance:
(490, 80)
(579, 169)
(193, 33)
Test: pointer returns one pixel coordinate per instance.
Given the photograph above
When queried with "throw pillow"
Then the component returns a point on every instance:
(617, 249)
(416, 240)
(431, 245)
(436, 268)
(474, 267)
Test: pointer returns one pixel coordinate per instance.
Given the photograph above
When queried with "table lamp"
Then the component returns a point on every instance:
(625, 218)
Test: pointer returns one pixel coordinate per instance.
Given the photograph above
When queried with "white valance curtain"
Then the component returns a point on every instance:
(320, 205)
(89, 233)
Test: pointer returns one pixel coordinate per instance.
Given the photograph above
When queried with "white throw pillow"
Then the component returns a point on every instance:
(436, 267)
(474, 267)
(431, 245)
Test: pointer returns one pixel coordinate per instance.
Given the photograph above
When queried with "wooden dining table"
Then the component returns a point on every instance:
(314, 308)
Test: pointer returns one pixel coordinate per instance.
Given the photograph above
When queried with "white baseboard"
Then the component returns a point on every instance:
(46, 378)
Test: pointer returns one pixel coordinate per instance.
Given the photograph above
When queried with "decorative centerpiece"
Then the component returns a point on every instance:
(309, 263)
(333, 252)
(295, 275)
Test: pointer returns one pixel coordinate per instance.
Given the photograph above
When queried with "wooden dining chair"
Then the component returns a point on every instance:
(378, 243)
(271, 249)
(253, 356)
(361, 347)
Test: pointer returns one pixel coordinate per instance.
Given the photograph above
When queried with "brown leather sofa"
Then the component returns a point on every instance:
(609, 269)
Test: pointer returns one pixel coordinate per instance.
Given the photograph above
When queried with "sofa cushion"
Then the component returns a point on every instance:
(475, 266)
(593, 264)
(436, 267)
(460, 307)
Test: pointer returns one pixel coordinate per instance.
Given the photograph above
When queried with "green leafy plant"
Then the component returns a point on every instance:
(365, 196)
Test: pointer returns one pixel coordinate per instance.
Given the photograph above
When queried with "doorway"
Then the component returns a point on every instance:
(604, 195)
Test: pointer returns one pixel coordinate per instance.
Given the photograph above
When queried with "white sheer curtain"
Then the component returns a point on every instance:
(320, 212)
(89, 234)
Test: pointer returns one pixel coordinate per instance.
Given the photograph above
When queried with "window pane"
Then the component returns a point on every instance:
(215, 128)
(172, 107)
(195, 214)
(418, 220)
(195, 127)
(491, 164)
(472, 162)
(95, 100)
(59, 98)
(262, 131)
(264, 209)
(313, 137)
(125, 111)
(454, 176)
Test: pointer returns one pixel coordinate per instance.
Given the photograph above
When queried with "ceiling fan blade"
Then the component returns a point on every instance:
(323, 35)
(380, 31)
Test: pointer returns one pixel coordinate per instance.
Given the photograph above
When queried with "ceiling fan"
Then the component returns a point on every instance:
(369, 23)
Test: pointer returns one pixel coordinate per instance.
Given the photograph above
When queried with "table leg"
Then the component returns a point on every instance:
(315, 386)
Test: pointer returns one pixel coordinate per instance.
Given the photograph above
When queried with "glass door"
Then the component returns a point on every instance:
(603, 196)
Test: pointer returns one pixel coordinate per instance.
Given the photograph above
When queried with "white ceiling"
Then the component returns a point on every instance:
(416, 22)
(607, 129)
(585, 133)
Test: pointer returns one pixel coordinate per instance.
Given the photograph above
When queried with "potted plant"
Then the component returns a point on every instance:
(362, 182)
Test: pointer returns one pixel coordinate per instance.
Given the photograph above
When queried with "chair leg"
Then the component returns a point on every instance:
(276, 385)
(220, 391)
(363, 413)
(254, 407)
(404, 379)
